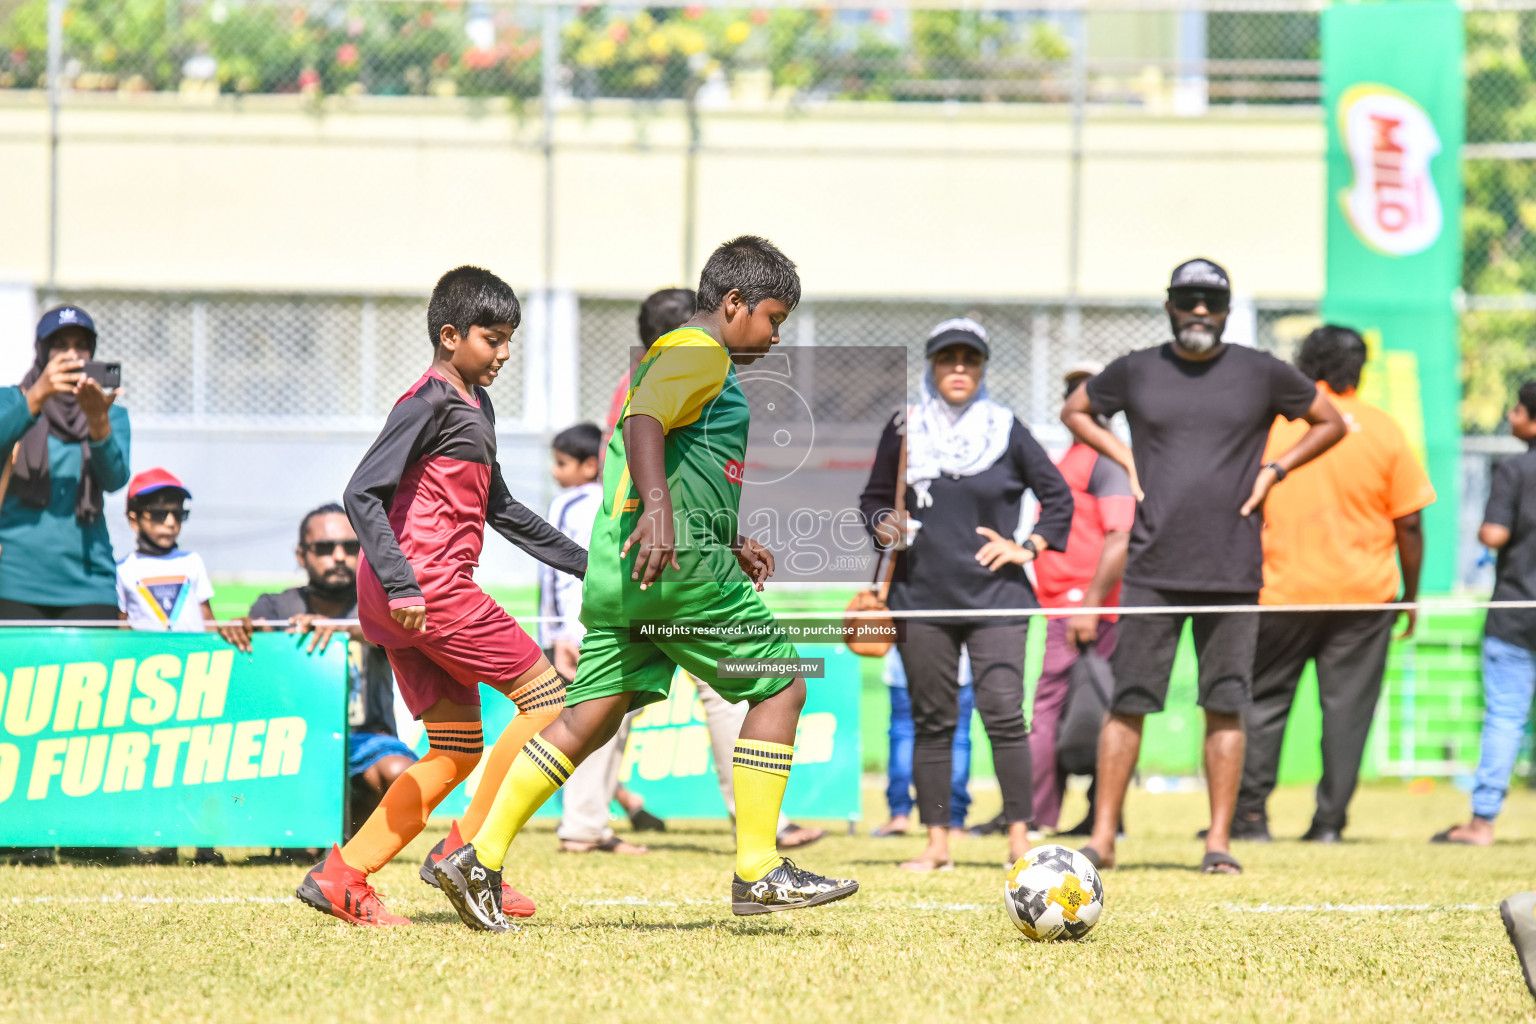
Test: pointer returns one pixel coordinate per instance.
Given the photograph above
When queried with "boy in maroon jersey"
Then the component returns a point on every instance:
(420, 501)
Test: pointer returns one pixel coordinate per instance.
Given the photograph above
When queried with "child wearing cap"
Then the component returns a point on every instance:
(159, 586)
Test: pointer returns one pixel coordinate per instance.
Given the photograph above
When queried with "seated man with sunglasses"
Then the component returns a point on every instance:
(327, 552)
(1200, 411)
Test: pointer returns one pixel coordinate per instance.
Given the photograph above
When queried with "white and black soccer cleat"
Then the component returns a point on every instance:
(473, 889)
(787, 887)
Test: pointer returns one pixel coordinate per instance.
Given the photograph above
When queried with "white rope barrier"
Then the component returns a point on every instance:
(1452, 604)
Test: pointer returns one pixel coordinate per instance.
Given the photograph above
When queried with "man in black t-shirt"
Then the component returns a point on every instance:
(1509, 635)
(1200, 411)
(327, 552)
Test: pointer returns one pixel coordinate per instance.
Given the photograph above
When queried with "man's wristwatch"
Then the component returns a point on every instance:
(1278, 469)
(1029, 545)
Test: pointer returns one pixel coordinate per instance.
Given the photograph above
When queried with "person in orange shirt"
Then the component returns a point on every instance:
(1334, 536)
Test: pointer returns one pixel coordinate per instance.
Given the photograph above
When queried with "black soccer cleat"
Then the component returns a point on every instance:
(473, 889)
(787, 887)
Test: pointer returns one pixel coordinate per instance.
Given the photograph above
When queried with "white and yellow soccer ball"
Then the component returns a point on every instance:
(1053, 892)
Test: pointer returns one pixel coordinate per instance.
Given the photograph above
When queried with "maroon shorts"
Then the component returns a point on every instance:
(489, 647)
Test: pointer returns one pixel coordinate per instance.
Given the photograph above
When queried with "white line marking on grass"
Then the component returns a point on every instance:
(151, 900)
(636, 901)
(1354, 908)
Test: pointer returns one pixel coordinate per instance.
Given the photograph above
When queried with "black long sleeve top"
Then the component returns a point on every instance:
(940, 569)
(420, 501)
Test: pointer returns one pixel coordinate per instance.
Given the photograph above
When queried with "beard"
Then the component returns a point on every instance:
(335, 586)
(1197, 338)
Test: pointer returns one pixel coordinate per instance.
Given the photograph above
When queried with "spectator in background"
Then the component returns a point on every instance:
(1086, 574)
(592, 787)
(1200, 412)
(1509, 640)
(1333, 535)
(160, 587)
(63, 444)
(67, 445)
(327, 552)
(969, 462)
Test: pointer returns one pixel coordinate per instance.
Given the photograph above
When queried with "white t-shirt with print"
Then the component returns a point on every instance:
(163, 592)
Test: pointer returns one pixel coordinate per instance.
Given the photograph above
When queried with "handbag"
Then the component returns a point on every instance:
(866, 635)
(1090, 687)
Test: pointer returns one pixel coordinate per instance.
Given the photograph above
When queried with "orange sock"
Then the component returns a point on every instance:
(402, 814)
(538, 703)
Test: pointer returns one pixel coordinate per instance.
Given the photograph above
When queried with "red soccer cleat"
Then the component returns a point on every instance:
(335, 887)
(513, 903)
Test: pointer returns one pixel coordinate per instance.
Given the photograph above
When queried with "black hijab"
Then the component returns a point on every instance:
(32, 482)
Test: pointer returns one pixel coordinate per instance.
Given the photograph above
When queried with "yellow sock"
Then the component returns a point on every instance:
(534, 776)
(760, 772)
(538, 703)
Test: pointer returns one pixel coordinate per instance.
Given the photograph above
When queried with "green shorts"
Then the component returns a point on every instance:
(614, 660)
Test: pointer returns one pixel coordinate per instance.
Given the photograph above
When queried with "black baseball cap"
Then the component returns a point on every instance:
(60, 317)
(962, 330)
(1200, 273)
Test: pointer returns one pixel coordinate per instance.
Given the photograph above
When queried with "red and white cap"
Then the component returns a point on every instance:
(156, 479)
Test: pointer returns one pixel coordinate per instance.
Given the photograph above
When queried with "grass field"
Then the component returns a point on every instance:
(652, 939)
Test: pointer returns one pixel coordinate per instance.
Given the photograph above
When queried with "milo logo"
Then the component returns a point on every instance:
(1392, 205)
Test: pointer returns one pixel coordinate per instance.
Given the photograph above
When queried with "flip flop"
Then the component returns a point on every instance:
(1445, 837)
(1093, 856)
(795, 836)
(885, 832)
(1216, 863)
(925, 866)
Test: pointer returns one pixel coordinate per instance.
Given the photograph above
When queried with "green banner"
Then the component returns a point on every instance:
(668, 762)
(169, 739)
(1394, 94)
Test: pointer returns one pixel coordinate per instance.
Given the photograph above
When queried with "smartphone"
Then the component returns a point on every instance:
(108, 375)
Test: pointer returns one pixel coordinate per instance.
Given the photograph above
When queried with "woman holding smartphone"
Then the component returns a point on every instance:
(64, 445)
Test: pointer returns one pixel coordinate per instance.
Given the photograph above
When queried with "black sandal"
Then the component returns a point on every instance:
(1445, 837)
(1217, 863)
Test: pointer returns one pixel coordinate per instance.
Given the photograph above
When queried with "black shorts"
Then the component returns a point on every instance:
(1224, 648)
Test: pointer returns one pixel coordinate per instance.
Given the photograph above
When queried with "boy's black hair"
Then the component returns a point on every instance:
(329, 508)
(753, 265)
(1334, 355)
(664, 311)
(468, 297)
(581, 442)
(1527, 397)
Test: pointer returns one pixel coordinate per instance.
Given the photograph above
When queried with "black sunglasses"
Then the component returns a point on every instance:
(332, 547)
(1186, 299)
(155, 515)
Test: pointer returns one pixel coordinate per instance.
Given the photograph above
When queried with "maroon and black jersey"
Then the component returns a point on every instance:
(420, 501)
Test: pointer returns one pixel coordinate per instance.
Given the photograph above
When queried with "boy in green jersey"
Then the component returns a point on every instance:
(665, 553)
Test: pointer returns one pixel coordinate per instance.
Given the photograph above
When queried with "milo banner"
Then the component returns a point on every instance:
(1394, 90)
(668, 760)
(163, 739)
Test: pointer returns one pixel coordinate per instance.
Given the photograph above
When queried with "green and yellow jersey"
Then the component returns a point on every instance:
(688, 384)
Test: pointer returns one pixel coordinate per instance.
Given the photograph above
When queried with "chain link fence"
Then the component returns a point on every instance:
(304, 362)
(299, 362)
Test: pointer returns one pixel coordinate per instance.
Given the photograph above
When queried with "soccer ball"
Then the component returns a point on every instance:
(1053, 893)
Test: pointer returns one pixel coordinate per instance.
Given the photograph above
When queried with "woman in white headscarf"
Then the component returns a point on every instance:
(969, 462)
